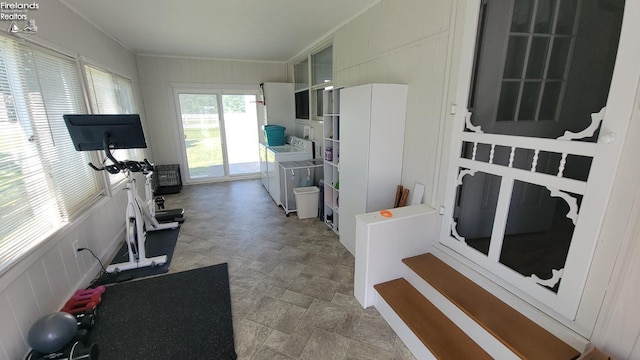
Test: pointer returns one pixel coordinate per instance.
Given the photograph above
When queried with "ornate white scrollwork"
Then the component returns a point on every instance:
(561, 166)
(454, 224)
(455, 234)
(534, 161)
(469, 125)
(570, 200)
(512, 156)
(556, 275)
(463, 173)
(596, 119)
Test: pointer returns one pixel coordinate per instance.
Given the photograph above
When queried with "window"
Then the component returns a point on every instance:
(541, 37)
(109, 93)
(301, 74)
(322, 66)
(112, 94)
(312, 76)
(43, 180)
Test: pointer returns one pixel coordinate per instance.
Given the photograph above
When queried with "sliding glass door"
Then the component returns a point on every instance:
(241, 130)
(219, 132)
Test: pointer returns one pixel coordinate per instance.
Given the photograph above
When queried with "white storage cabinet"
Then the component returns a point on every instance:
(279, 105)
(372, 122)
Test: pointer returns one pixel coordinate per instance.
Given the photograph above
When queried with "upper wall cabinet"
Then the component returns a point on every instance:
(312, 75)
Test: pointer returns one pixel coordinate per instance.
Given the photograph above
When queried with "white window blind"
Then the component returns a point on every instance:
(109, 93)
(102, 91)
(112, 94)
(43, 180)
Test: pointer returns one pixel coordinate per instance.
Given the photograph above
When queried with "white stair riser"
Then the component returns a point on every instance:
(411, 341)
(469, 326)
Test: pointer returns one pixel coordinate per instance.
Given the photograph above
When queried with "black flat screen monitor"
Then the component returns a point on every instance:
(91, 132)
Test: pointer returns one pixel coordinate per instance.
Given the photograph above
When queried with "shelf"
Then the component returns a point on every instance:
(331, 140)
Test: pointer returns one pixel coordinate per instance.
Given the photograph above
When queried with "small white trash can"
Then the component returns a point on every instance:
(307, 201)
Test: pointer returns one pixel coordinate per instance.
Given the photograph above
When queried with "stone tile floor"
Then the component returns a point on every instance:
(291, 280)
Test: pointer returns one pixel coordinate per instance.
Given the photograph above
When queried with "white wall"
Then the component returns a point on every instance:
(41, 282)
(617, 330)
(403, 42)
(157, 74)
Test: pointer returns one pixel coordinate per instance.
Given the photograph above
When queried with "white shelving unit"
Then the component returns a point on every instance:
(331, 156)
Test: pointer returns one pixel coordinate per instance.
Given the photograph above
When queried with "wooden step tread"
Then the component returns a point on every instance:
(439, 334)
(524, 337)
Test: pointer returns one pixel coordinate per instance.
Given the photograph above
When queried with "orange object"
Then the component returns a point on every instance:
(386, 213)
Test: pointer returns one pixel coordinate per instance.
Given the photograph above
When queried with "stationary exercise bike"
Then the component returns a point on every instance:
(108, 132)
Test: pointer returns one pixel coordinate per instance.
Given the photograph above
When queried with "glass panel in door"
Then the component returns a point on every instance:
(202, 135)
(241, 132)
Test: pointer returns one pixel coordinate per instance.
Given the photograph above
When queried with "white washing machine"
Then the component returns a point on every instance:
(296, 150)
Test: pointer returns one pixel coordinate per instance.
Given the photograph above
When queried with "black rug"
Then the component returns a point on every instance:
(158, 243)
(184, 315)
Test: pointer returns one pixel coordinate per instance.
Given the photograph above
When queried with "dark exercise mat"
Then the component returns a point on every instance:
(184, 315)
(158, 243)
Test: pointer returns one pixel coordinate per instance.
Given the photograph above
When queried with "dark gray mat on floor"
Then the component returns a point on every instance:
(158, 243)
(184, 315)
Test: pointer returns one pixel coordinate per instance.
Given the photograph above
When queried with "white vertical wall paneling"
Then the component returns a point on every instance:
(12, 342)
(622, 337)
(83, 257)
(56, 275)
(614, 331)
(23, 305)
(42, 293)
(66, 250)
(70, 264)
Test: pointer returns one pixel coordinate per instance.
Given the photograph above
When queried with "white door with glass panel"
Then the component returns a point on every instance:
(219, 133)
(534, 147)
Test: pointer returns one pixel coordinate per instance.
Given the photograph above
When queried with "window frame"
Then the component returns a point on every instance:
(313, 91)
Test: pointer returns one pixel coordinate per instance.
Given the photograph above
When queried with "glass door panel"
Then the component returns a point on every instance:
(202, 136)
(241, 132)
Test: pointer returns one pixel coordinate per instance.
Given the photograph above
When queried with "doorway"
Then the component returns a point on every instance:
(520, 204)
(219, 133)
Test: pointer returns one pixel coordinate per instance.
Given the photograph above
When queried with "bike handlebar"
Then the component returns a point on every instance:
(127, 165)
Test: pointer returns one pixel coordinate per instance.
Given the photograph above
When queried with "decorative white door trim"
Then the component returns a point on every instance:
(597, 188)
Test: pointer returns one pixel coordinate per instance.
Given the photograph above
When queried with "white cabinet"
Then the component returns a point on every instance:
(372, 122)
(279, 105)
(331, 156)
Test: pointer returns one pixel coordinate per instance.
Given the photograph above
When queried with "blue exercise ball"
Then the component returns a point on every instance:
(52, 332)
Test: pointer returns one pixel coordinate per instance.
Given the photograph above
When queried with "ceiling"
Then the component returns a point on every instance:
(261, 30)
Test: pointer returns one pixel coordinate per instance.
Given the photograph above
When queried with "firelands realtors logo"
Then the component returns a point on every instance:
(16, 13)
